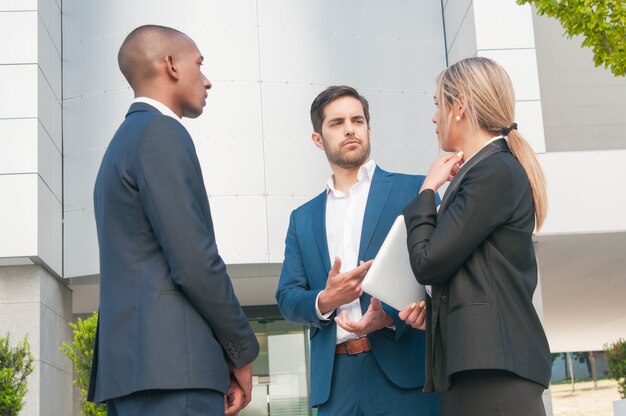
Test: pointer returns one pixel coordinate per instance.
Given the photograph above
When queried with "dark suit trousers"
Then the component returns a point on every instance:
(360, 388)
(195, 402)
(492, 393)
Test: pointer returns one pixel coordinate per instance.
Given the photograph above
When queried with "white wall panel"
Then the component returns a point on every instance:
(463, 43)
(49, 110)
(403, 118)
(49, 163)
(19, 49)
(81, 169)
(18, 146)
(455, 15)
(49, 228)
(294, 167)
(50, 15)
(90, 121)
(528, 116)
(396, 19)
(18, 84)
(405, 158)
(571, 178)
(231, 166)
(503, 24)
(18, 215)
(286, 110)
(240, 228)
(80, 254)
(233, 110)
(49, 59)
(584, 105)
(521, 65)
(91, 66)
(278, 211)
(375, 64)
(6, 5)
(230, 51)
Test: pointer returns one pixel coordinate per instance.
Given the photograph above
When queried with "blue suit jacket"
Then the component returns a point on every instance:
(399, 353)
(169, 318)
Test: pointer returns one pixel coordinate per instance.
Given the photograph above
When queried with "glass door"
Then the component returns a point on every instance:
(280, 382)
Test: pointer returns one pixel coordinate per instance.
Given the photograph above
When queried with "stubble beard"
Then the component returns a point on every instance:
(348, 160)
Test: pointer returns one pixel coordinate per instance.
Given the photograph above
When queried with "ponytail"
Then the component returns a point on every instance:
(527, 158)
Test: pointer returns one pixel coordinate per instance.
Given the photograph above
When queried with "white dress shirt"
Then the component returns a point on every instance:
(163, 109)
(344, 222)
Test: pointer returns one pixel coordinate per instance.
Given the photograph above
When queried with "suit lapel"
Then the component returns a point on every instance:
(318, 223)
(376, 200)
(493, 147)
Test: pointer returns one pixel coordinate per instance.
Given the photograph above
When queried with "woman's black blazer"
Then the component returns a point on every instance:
(478, 255)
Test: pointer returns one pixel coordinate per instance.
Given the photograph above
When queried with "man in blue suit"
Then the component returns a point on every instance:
(172, 338)
(364, 359)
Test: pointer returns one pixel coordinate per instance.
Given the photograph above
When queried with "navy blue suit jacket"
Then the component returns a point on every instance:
(399, 353)
(169, 318)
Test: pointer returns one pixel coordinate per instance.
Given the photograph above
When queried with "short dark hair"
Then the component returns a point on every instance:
(329, 95)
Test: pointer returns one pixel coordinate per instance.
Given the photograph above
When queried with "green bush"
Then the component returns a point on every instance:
(16, 364)
(616, 362)
(80, 351)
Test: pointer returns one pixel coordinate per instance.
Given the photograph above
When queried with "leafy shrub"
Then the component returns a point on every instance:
(616, 362)
(80, 351)
(16, 364)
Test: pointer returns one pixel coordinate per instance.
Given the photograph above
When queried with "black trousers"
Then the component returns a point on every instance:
(193, 402)
(492, 393)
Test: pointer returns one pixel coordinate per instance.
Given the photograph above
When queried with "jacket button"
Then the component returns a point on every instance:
(444, 299)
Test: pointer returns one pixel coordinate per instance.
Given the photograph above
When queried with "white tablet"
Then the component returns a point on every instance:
(390, 278)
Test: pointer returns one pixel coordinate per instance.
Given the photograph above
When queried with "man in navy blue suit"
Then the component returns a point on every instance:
(365, 360)
(172, 338)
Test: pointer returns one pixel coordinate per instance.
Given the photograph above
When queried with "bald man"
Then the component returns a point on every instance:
(172, 338)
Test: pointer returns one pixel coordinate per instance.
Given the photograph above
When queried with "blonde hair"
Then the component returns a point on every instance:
(487, 93)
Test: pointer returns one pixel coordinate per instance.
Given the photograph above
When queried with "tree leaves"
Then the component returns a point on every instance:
(80, 351)
(602, 23)
(16, 364)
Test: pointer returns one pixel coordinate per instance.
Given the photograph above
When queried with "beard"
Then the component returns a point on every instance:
(347, 160)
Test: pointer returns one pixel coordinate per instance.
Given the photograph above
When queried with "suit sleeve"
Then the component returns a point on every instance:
(173, 195)
(294, 295)
(438, 247)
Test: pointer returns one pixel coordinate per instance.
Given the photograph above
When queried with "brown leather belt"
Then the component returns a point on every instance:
(353, 346)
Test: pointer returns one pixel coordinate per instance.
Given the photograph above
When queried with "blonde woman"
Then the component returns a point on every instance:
(487, 352)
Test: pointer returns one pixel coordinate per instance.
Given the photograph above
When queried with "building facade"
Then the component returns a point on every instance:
(63, 98)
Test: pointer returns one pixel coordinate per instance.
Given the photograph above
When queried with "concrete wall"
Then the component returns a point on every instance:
(36, 304)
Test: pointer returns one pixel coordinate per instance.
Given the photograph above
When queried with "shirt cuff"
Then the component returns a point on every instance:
(321, 317)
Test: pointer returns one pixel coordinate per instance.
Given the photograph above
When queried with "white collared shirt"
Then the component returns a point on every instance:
(344, 223)
(163, 109)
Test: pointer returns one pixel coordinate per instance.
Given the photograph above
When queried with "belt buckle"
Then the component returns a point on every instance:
(348, 347)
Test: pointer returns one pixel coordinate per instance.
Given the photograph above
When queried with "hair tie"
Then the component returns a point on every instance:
(507, 130)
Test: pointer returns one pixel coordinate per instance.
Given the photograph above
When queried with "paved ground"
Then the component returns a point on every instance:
(585, 400)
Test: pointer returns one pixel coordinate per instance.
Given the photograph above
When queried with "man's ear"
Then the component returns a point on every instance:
(171, 68)
(317, 140)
